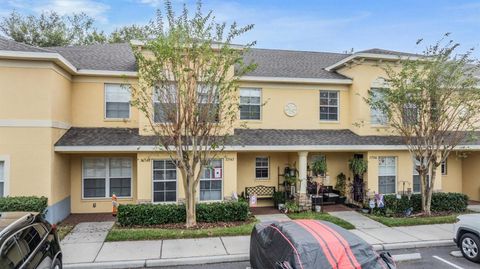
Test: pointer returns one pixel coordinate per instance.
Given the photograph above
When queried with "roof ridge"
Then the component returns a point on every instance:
(87, 45)
(311, 51)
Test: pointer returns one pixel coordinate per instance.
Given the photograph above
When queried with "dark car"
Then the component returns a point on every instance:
(28, 241)
(309, 244)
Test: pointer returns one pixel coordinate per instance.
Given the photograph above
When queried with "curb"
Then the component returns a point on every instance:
(197, 260)
(407, 245)
(159, 262)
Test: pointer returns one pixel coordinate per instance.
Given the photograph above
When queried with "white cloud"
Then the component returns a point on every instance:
(153, 3)
(93, 8)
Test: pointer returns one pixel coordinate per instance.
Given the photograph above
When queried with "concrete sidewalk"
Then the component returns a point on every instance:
(84, 247)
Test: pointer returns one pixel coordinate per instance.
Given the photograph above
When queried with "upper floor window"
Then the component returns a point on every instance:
(208, 104)
(376, 115)
(250, 102)
(329, 105)
(261, 168)
(164, 103)
(117, 101)
(103, 177)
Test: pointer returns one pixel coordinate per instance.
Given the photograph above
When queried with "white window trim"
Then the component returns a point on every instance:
(107, 179)
(338, 106)
(105, 118)
(6, 174)
(396, 174)
(260, 105)
(176, 183)
(268, 168)
(223, 183)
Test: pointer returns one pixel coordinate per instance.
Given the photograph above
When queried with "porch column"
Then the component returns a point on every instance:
(302, 171)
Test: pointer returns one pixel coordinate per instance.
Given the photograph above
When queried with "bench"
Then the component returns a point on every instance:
(262, 192)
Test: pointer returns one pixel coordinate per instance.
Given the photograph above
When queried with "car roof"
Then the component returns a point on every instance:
(8, 219)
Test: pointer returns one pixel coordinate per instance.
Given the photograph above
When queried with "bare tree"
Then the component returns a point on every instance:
(433, 102)
(188, 68)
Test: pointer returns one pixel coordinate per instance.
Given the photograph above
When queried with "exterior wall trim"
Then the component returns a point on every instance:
(370, 56)
(35, 123)
(296, 80)
(347, 148)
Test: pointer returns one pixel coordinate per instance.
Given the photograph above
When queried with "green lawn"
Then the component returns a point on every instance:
(129, 234)
(409, 221)
(322, 216)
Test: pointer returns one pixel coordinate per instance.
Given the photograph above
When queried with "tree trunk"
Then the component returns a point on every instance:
(189, 188)
(427, 193)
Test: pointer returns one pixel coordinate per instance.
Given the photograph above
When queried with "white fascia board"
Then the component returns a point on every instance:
(87, 72)
(341, 148)
(27, 123)
(296, 80)
(36, 56)
(368, 56)
(73, 149)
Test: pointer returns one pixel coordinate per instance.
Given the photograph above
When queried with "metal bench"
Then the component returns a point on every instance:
(262, 192)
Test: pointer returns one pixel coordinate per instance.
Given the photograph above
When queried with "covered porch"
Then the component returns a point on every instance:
(293, 173)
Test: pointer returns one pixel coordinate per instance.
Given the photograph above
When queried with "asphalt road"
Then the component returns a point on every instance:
(432, 258)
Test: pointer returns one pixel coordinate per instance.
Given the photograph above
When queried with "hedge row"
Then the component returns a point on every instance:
(23, 203)
(441, 202)
(155, 214)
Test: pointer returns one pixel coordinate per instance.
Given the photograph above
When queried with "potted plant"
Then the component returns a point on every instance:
(358, 166)
(341, 186)
(319, 167)
(279, 199)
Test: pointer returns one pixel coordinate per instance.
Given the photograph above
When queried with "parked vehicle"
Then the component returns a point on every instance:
(311, 244)
(467, 236)
(27, 240)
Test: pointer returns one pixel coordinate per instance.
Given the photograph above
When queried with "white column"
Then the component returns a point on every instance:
(302, 171)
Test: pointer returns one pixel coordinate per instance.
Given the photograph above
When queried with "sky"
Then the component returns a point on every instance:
(334, 26)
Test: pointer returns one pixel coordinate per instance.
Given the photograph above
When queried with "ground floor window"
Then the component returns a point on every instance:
(387, 174)
(2, 178)
(211, 181)
(444, 167)
(164, 181)
(103, 177)
(261, 168)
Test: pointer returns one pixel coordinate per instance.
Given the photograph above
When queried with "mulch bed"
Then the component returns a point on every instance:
(336, 208)
(75, 219)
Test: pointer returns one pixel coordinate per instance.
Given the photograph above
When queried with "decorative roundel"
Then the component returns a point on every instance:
(290, 109)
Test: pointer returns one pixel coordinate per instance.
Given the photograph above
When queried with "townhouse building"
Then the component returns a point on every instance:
(68, 131)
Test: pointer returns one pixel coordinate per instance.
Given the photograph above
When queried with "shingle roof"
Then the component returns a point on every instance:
(7, 44)
(112, 57)
(242, 137)
(293, 64)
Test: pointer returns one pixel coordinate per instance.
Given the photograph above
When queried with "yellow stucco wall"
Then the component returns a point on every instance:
(88, 103)
(363, 76)
(144, 164)
(471, 175)
(79, 205)
(452, 181)
(307, 99)
(404, 166)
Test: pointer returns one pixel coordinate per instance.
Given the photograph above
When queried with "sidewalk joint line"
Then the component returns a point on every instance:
(223, 244)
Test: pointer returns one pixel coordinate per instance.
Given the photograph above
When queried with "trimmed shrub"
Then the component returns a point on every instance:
(155, 214)
(23, 203)
(441, 202)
